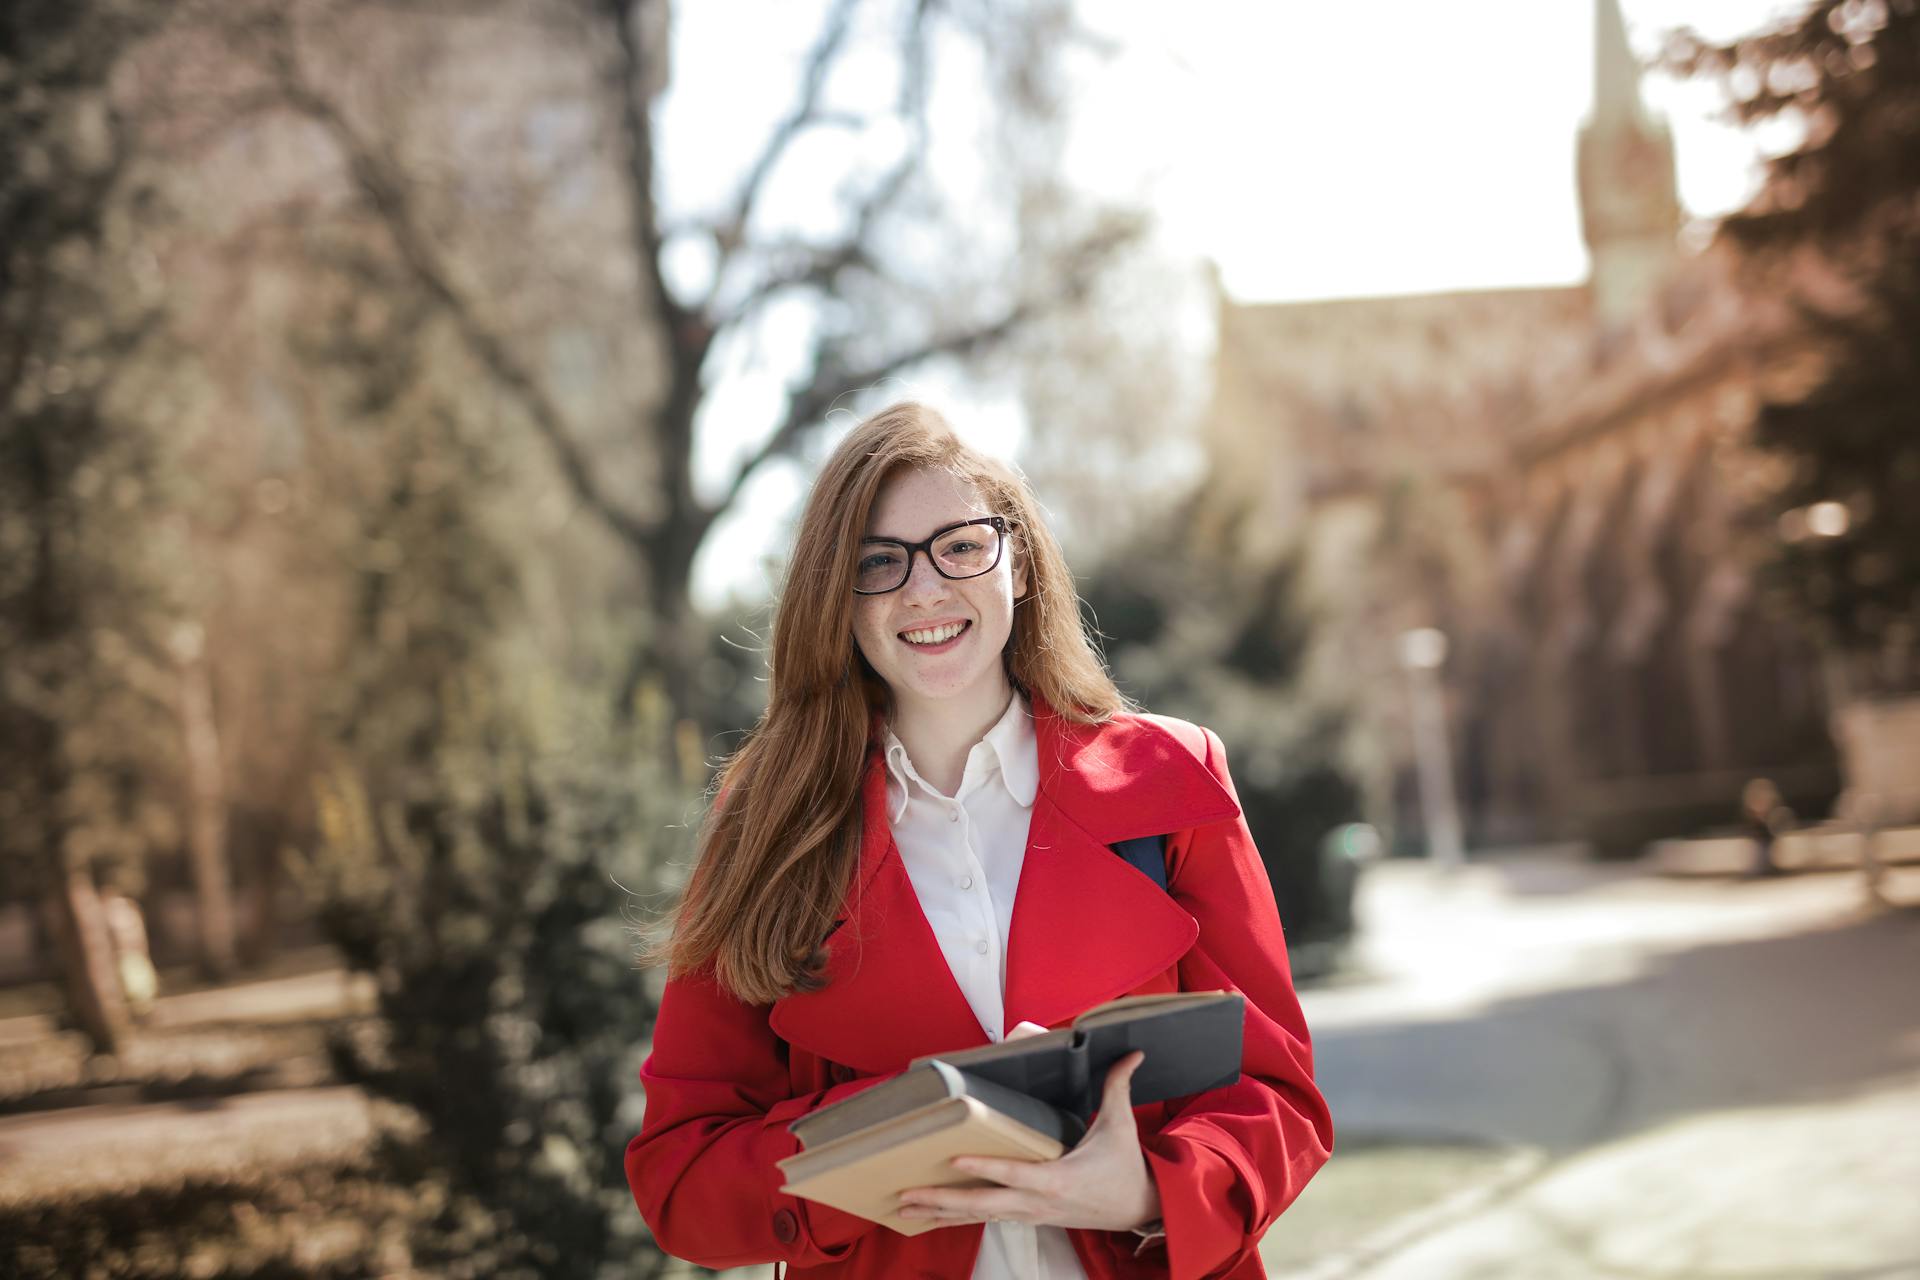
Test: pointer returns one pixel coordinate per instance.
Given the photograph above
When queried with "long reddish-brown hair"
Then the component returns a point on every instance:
(780, 843)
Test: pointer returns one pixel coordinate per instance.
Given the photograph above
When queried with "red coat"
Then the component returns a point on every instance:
(725, 1078)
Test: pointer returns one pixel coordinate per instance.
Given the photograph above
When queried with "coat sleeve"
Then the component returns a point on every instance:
(1228, 1161)
(718, 1101)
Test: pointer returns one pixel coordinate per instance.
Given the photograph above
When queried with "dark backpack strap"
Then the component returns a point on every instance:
(1147, 855)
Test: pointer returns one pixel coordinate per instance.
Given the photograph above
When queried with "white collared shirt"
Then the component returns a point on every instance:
(964, 853)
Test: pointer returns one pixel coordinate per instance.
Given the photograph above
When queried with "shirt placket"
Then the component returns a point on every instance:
(982, 929)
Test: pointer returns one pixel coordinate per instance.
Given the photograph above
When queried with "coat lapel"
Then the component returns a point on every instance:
(1086, 927)
(889, 996)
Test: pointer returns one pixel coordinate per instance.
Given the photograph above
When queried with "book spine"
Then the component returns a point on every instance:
(1080, 1085)
(1039, 1116)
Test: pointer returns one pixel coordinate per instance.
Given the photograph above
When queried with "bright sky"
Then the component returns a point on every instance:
(1311, 150)
(1403, 146)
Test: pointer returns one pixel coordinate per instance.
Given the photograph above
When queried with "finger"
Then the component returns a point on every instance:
(964, 1203)
(1021, 1030)
(933, 1213)
(1027, 1175)
(1116, 1098)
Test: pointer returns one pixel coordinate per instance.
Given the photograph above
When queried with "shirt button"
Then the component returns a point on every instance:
(965, 882)
(953, 815)
(981, 946)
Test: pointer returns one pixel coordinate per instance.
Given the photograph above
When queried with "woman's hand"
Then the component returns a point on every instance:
(1103, 1183)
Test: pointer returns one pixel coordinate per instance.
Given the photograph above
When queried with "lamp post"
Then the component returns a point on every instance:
(1422, 652)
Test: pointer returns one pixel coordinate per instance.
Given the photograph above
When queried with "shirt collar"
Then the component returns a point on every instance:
(1010, 742)
(1013, 744)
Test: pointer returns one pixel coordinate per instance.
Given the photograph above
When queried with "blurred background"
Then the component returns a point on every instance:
(1500, 422)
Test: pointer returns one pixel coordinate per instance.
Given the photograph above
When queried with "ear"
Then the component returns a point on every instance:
(1019, 576)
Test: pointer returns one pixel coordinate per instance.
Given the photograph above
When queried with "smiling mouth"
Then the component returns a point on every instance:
(935, 637)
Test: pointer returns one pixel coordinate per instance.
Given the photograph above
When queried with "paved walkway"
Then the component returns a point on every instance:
(1663, 1079)
(117, 1142)
(96, 1149)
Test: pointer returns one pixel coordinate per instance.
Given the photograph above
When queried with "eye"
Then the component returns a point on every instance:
(961, 546)
(878, 560)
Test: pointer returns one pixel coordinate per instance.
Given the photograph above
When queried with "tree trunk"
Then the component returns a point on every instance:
(663, 669)
(87, 961)
(206, 818)
(257, 869)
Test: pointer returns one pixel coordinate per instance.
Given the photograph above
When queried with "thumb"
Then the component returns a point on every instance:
(1116, 1097)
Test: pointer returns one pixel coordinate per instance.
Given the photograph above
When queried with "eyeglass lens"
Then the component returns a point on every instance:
(966, 552)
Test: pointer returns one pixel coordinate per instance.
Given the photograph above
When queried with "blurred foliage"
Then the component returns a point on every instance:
(1849, 71)
(481, 812)
(480, 826)
(93, 579)
(328, 1220)
(89, 582)
(482, 885)
(1231, 646)
(1855, 439)
(1848, 198)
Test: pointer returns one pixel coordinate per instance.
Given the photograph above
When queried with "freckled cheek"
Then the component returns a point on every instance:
(994, 604)
(866, 632)
(874, 632)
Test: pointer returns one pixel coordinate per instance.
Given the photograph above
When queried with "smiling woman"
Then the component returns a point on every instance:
(913, 853)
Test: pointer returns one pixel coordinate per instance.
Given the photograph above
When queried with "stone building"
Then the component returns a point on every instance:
(1558, 479)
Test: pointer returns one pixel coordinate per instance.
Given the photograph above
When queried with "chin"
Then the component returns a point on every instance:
(971, 684)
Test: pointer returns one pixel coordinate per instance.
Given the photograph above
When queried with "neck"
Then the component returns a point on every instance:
(939, 734)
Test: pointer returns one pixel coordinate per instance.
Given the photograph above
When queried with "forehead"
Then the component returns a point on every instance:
(913, 503)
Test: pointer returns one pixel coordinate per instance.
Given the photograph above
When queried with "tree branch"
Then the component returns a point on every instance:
(806, 113)
(832, 378)
(819, 266)
(633, 76)
(807, 405)
(823, 264)
(386, 192)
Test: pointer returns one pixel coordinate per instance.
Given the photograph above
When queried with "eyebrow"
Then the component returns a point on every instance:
(876, 537)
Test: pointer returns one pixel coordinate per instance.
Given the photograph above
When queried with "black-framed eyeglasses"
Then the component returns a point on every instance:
(965, 549)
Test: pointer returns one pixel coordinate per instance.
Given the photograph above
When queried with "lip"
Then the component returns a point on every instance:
(965, 631)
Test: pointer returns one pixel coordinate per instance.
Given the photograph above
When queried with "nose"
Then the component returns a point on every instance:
(923, 580)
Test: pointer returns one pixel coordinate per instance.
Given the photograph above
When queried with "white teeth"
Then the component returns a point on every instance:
(936, 635)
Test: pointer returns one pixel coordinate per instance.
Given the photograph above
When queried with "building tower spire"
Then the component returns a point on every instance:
(1629, 204)
(1616, 73)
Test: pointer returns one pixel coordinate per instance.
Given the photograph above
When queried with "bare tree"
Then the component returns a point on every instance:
(877, 311)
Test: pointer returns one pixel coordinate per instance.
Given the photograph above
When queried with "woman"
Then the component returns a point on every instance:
(911, 854)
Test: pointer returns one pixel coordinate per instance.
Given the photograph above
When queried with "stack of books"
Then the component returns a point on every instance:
(1025, 1099)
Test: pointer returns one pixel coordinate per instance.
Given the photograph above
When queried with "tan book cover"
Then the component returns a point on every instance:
(865, 1172)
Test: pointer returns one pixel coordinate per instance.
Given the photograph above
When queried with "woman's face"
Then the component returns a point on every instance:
(910, 506)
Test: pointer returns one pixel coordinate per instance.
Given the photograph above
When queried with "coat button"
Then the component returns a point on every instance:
(786, 1227)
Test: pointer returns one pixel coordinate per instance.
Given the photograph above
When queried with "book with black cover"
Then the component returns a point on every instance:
(1029, 1098)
